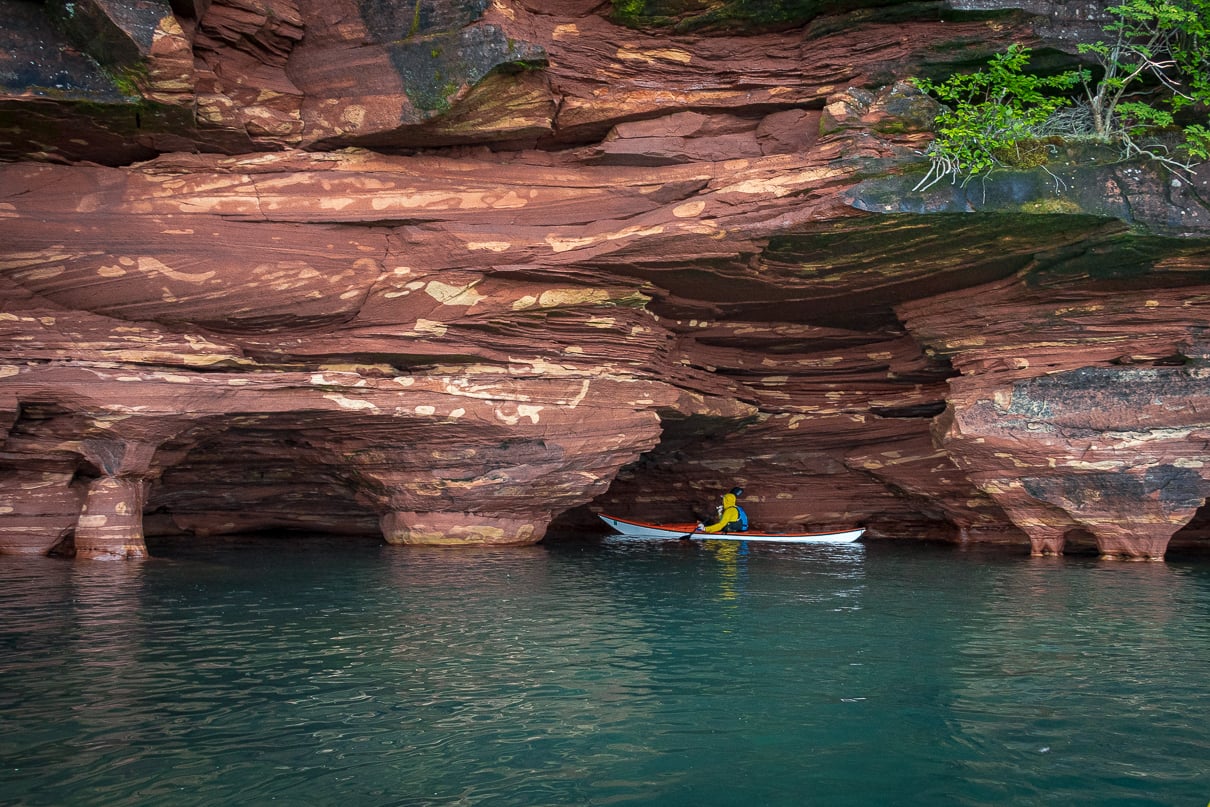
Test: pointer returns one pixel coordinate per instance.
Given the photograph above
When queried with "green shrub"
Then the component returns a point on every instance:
(989, 112)
(1154, 67)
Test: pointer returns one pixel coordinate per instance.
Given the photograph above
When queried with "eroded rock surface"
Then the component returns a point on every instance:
(459, 272)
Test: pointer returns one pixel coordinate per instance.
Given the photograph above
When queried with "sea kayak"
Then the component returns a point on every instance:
(639, 529)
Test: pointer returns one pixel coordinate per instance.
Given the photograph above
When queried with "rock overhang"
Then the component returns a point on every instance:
(722, 298)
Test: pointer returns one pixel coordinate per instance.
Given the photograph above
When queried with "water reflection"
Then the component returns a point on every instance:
(74, 632)
(105, 639)
(534, 660)
(732, 557)
(595, 673)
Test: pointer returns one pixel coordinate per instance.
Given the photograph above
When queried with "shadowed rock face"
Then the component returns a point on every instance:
(458, 272)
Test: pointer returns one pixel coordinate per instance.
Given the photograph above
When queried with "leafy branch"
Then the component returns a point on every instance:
(1155, 63)
(992, 111)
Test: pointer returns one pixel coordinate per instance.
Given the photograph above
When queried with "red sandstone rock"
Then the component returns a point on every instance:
(713, 272)
(110, 526)
(1065, 429)
(460, 529)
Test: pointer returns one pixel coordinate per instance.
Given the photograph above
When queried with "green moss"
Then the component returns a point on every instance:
(635, 299)
(1024, 154)
(126, 86)
(128, 80)
(893, 127)
(734, 16)
(415, 21)
(629, 12)
(1051, 206)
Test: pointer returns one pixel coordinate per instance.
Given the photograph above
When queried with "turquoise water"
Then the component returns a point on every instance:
(324, 672)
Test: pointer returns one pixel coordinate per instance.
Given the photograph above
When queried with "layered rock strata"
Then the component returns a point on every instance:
(467, 273)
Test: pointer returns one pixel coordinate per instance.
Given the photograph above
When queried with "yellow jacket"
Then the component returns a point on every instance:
(729, 515)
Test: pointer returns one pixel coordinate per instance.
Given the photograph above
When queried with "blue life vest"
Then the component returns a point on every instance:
(742, 524)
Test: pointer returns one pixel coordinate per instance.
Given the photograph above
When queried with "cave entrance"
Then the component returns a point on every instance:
(1079, 541)
(674, 481)
(265, 477)
(1194, 537)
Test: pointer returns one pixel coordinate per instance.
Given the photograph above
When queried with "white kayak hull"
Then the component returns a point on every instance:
(639, 529)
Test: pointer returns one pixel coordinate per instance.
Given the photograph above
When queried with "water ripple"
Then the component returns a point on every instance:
(599, 674)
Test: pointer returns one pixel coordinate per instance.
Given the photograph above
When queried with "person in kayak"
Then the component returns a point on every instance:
(732, 517)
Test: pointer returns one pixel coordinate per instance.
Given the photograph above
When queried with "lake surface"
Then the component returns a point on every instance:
(325, 672)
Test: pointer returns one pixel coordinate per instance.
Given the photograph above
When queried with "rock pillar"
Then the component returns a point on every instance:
(460, 529)
(1046, 541)
(110, 526)
(1133, 541)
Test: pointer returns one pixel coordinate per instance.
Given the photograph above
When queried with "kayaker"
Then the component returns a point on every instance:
(732, 517)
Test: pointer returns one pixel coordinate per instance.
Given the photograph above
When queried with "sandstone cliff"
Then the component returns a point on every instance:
(456, 270)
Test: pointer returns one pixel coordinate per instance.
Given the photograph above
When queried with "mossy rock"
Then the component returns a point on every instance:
(730, 16)
(1023, 154)
(1054, 206)
(436, 69)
